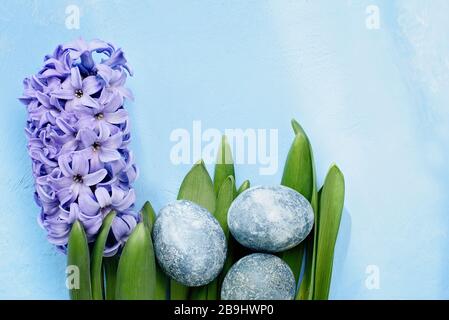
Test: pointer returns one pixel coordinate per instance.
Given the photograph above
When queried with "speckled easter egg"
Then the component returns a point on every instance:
(259, 276)
(270, 218)
(189, 243)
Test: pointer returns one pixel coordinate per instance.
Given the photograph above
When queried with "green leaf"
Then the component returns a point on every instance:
(136, 273)
(306, 288)
(97, 257)
(299, 175)
(224, 201)
(297, 128)
(110, 265)
(212, 290)
(197, 187)
(294, 257)
(78, 261)
(244, 186)
(148, 215)
(224, 166)
(179, 291)
(298, 169)
(331, 207)
(198, 293)
(161, 288)
(305, 291)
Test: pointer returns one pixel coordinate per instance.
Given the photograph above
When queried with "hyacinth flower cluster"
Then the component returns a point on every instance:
(78, 139)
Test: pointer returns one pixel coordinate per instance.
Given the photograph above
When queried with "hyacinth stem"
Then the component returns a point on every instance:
(136, 273)
(299, 175)
(331, 201)
(161, 286)
(197, 187)
(224, 201)
(78, 264)
(97, 257)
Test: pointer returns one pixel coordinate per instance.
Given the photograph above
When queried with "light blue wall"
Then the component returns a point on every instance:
(374, 101)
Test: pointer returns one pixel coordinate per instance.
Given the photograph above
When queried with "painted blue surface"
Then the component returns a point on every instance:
(374, 101)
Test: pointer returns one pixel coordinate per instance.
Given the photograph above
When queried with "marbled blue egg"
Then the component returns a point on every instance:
(270, 218)
(259, 276)
(189, 243)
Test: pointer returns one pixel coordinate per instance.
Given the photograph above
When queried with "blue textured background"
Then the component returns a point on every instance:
(374, 101)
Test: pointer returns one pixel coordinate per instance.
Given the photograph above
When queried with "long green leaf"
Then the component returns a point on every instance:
(224, 201)
(197, 187)
(298, 169)
(198, 293)
(179, 291)
(305, 291)
(110, 266)
(96, 265)
(298, 175)
(136, 273)
(161, 287)
(78, 264)
(306, 288)
(331, 207)
(224, 166)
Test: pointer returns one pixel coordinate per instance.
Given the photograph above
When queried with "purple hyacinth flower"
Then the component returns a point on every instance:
(120, 229)
(80, 47)
(109, 113)
(91, 221)
(114, 81)
(74, 178)
(101, 147)
(104, 201)
(78, 138)
(78, 91)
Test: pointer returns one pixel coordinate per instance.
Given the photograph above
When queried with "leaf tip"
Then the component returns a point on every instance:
(294, 123)
(336, 170)
(230, 178)
(200, 163)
